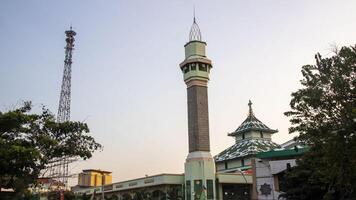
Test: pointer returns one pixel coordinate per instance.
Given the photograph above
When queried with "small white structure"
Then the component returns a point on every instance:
(269, 168)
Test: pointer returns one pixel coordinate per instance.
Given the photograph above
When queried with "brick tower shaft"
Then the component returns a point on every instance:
(198, 118)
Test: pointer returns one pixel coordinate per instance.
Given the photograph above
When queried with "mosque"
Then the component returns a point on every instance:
(228, 175)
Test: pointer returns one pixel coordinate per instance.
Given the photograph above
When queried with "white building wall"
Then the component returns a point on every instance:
(281, 165)
(265, 169)
(220, 166)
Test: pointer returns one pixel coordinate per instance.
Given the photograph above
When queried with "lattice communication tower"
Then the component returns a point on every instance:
(59, 169)
(64, 100)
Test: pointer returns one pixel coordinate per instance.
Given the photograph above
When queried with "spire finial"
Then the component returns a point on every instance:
(194, 34)
(250, 112)
(194, 14)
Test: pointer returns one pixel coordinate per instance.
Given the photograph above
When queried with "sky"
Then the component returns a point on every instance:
(126, 81)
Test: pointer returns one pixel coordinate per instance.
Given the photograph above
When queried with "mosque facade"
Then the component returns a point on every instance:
(225, 176)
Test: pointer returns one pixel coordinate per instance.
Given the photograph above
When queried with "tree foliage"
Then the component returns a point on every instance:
(323, 112)
(30, 142)
(174, 193)
(142, 195)
(126, 196)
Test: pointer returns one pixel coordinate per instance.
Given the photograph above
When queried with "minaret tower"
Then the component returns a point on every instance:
(199, 165)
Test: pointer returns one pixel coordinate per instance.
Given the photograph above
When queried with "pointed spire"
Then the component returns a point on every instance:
(195, 34)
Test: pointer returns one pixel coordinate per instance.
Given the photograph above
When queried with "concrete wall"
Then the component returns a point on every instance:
(220, 166)
(162, 179)
(232, 164)
(199, 170)
(195, 48)
(265, 175)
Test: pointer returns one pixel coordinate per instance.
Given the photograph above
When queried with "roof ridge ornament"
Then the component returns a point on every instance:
(250, 111)
(195, 34)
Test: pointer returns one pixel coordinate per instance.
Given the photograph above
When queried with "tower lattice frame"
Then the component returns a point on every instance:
(64, 100)
(59, 171)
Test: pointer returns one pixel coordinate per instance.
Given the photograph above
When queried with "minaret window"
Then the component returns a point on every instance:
(243, 136)
(242, 162)
(202, 67)
(186, 69)
(187, 186)
(193, 67)
(261, 134)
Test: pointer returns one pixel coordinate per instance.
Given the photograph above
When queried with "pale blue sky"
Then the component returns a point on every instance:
(126, 83)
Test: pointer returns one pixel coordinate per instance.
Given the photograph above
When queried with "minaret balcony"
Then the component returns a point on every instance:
(196, 68)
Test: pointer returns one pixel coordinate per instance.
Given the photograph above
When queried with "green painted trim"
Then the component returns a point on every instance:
(282, 153)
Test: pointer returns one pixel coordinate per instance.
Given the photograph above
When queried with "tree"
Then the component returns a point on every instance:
(306, 180)
(126, 196)
(142, 195)
(324, 114)
(174, 193)
(29, 142)
(85, 197)
(114, 197)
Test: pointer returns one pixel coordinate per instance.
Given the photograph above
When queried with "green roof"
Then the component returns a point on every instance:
(251, 123)
(246, 147)
(282, 153)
